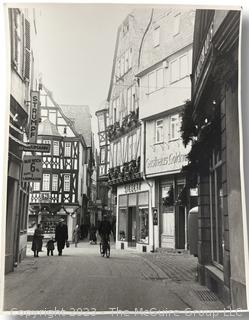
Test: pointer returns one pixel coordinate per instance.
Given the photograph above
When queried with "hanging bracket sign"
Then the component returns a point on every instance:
(34, 116)
(32, 168)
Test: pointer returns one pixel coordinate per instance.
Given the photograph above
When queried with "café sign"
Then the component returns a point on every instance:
(132, 187)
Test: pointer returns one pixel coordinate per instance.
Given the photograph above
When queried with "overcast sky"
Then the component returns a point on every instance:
(76, 48)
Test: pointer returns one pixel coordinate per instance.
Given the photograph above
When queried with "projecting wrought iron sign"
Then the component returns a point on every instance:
(36, 147)
(34, 116)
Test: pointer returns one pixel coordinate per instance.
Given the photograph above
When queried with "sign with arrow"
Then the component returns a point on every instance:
(32, 168)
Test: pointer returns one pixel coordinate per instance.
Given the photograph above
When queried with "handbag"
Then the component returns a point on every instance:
(67, 244)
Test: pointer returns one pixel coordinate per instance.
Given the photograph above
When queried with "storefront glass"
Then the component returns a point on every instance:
(143, 222)
(123, 223)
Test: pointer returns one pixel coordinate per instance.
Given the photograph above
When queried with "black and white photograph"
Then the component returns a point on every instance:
(124, 168)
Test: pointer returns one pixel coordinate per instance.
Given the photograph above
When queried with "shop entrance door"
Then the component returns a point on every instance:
(132, 227)
(180, 222)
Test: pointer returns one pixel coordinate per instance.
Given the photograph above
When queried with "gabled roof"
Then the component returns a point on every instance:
(47, 128)
(81, 119)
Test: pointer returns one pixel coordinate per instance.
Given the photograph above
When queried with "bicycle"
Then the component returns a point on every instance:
(105, 246)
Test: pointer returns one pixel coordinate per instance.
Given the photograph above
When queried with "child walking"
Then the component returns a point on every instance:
(50, 247)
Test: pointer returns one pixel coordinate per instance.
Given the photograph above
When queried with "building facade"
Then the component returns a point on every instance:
(124, 133)
(24, 79)
(66, 173)
(164, 83)
(215, 154)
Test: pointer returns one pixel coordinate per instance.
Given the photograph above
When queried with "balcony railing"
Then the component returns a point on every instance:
(129, 171)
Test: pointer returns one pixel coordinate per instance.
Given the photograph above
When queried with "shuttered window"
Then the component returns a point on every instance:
(27, 52)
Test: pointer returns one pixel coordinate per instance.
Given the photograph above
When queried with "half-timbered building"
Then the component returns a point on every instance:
(66, 168)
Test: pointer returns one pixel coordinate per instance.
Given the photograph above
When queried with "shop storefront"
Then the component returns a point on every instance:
(134, 216)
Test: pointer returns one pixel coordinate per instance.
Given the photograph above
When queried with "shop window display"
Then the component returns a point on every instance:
(123, 219)
(143, 229)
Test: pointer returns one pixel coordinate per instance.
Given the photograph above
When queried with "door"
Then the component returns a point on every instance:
(180, 221)
(132, 227)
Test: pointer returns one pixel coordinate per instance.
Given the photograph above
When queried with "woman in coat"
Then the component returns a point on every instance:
(37, 241)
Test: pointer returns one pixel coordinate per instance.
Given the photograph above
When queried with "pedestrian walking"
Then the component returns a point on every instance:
(37, 240)
(50, 247)
(76, 235)
(93, 238)
(61, 235)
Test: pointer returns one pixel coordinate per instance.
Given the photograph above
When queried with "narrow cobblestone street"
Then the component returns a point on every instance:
(81, 279)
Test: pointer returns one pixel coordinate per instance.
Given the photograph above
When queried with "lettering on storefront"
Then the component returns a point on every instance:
(171, 160)
(132, 187)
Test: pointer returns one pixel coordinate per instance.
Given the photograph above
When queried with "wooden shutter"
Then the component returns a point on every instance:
(27, 52)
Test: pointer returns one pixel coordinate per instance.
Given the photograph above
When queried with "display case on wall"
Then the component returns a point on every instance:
(49, 223)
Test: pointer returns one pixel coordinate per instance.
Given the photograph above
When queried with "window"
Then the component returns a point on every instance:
(174, 127)
(152, 82)
(123, 224)
(52, 116)
(156, 37)
(46, 182)
(36, 186)
(122, 65)
(17, 48)
(143, 225)
(67, 182)
(130, 58)
(55, 182)
(159, 131)
(101, 123)
(176, 26)
(126, 61)
(174, 70)
(155, 80)
(102, 155)
(216, 209)
(47, 142)
(56, 147)
(184, 69)
(67, 151)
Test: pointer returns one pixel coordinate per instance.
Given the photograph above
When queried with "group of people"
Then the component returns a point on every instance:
(61, 237)
(105, 228)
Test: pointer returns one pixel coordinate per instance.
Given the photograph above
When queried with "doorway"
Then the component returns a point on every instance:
(180, 221)
(132, 227)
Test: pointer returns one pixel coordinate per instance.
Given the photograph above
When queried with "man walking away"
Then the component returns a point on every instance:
(61, 236)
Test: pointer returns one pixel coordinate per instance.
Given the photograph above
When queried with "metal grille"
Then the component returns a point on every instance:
(205, 295)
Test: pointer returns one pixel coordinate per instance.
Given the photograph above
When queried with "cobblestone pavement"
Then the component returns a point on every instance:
(128, 280)
(178, 271)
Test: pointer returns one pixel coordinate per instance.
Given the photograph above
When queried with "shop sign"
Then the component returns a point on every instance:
(132, 187)
(36, 147)
(205, 49)
(32, 168)
(155, 216)
(34, 116)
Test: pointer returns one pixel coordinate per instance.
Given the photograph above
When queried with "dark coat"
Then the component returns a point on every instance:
(105, 227)
(50, 245)
(37, 240)
(61, 234)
